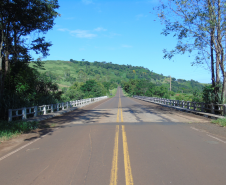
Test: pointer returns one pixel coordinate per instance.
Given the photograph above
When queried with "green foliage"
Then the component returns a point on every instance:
(220, 121)
(197, 97)
(9, 130)
(93, 89)
(21, 85)
(172, 93)
(81, 71)
(208, 95)
(27, 88)
(80, 90)
(145, 88)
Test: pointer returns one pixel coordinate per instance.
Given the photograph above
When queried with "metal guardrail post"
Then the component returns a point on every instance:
(24, 113)
(10, 115)
(36, 111)
(51, 108)
(57, 106)
(212, 108)
(194, 106)
(188, 105)
(44, 108)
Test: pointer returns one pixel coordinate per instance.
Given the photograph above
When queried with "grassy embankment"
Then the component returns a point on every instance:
(221, 122)
(15, 128)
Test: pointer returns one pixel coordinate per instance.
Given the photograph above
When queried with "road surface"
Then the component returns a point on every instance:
(118, 141)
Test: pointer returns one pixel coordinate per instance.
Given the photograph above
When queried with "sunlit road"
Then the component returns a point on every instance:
(120, 141)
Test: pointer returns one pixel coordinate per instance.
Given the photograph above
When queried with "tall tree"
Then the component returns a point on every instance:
(20, 18)
(199, 26)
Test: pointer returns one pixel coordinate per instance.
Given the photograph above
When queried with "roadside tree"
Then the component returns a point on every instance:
(199, 26)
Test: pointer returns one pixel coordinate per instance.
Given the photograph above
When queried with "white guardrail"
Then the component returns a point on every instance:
(45, 109)
(219, 109)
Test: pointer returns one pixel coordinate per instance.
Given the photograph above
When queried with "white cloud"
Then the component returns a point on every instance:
(126, 46)
(82, 34)
(100, 29)
(87, 2)
(79, 33)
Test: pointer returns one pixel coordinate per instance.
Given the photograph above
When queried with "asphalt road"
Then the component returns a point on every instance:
(119, 141)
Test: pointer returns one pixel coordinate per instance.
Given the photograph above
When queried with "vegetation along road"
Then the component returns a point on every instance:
(119, 141)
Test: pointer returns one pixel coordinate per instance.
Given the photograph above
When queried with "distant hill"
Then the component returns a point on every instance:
(67, 72)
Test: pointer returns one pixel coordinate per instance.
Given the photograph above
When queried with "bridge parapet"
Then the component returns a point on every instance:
(46, 109)
(218, 109)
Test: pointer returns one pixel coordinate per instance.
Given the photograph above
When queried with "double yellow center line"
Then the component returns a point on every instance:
(127, 166)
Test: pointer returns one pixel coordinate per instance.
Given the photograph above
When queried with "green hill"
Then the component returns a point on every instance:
(65, 73)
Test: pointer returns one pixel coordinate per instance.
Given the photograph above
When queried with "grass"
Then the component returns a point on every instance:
(13, 129)
(113, 93)
(220, 121)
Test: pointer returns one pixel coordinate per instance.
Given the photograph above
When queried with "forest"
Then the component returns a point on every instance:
(66, 72)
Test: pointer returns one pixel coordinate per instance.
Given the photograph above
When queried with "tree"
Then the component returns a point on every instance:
(199, 26)
(19, 18)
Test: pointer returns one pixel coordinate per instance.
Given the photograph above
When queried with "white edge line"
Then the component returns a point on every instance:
(217, 139)
(207, 133)
(9, 154)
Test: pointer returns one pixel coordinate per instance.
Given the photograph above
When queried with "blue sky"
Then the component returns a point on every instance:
(118, 31)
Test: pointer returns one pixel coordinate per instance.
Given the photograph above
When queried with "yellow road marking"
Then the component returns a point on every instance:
(114, 170)
(128, 171)
(118, 113)
(121, 110)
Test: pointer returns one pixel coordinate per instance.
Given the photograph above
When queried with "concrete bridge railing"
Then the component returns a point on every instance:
(219, 109)
(45, 109)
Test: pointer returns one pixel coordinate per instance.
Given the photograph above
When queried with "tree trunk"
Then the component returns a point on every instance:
(212, 59)
(1, 67)
(6, 62)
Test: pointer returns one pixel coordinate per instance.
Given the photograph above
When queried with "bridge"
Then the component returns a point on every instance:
(118, 141)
